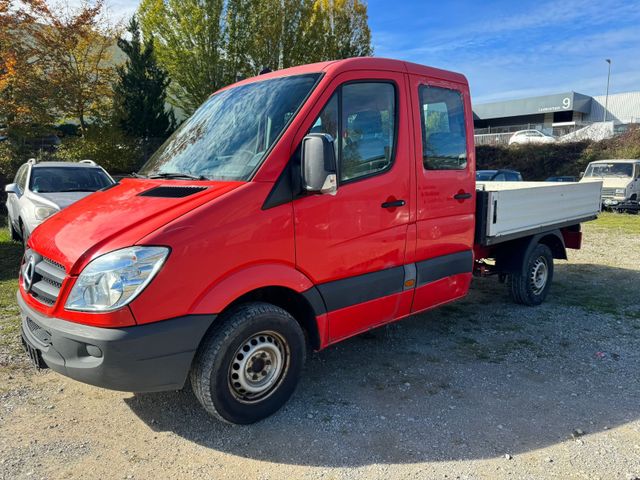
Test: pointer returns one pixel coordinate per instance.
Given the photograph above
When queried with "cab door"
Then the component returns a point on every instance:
(352, 244)
(445, 166)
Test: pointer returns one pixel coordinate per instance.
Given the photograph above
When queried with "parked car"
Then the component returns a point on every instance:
(530, 136)
(563, 178)
(266, 226)
(498, 176)
(620, 180)
(43, 189)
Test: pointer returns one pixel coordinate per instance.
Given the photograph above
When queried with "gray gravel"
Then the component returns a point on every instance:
(478, 389)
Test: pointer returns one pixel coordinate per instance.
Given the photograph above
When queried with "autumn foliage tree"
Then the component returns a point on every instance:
(23, 98)
(57, 61)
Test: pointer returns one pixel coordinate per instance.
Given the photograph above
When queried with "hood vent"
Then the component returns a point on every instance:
(171, 192)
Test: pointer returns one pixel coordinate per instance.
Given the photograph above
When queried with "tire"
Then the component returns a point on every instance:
(248, 367)
(23, 235)
(15, 236)
(532, 285)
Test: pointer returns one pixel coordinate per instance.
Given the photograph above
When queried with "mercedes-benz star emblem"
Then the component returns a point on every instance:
(28, 272)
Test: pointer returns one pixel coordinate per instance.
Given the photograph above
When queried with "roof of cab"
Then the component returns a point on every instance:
(359, 63)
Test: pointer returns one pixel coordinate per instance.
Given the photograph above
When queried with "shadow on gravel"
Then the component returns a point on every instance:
(476, 379)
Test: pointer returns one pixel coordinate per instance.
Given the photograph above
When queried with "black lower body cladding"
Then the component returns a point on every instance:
(144, 358)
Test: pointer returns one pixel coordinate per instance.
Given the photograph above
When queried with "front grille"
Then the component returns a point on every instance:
(608, 192)
(38, 332)
(48, 276)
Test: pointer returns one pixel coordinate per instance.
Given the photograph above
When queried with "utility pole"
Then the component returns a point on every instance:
(606, 98)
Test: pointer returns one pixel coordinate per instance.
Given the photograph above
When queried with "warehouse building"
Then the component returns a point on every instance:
(556, 114)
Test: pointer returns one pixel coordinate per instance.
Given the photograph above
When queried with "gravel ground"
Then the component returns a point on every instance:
(478, 389)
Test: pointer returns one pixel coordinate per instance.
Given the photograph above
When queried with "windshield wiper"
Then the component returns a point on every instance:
(178, 175)
(136, 175)
(77, 190)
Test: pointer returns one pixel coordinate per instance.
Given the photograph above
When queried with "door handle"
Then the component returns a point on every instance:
(462, 196)
(393, 204)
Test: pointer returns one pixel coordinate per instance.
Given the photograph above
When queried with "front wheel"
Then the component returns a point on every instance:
(246, 369)
(15, 236)
(531, 286)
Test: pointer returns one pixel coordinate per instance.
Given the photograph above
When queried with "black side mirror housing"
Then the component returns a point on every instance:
(319, 168)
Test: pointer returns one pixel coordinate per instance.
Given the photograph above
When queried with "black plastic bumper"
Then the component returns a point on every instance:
(144, 358)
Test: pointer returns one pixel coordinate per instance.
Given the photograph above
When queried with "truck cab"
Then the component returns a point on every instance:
(293, 210)
(620, 180)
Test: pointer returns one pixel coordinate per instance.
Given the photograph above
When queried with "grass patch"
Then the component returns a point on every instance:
(590, 299)
(618, 222)
(10, 256)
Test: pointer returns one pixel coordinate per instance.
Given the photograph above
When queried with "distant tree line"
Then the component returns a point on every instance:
(112, 86)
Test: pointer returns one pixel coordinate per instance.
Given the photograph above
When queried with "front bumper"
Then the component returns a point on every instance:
(144, 358)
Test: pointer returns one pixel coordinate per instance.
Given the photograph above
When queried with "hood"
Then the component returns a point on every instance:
(119, 216)
(610, 182)
(64, 199)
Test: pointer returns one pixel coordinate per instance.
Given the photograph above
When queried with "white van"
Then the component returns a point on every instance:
(620, 179)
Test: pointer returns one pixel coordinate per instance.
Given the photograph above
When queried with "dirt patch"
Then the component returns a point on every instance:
(481, 388)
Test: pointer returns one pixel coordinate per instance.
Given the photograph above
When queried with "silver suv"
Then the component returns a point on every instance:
(42, 189)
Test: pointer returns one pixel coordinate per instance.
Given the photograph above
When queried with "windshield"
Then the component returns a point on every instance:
(67, 179)
(622, 170)
(229, 135)
(485, 175)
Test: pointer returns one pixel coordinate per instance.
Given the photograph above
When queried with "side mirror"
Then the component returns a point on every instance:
(12, 188)
(581, 174)
(319, 171)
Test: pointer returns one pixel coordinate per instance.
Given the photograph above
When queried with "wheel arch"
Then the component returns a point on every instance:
(512, 256)
(278, 284)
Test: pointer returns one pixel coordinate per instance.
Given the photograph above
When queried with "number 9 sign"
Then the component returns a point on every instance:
(566, 103)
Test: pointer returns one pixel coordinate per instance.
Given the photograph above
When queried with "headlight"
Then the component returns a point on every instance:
(620, 191)
(43, 212)
(115, 279)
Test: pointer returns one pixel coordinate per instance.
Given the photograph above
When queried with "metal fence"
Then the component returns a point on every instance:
(501, 135)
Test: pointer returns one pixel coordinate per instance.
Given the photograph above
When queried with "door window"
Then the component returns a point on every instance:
(444, 139)
(362, 119)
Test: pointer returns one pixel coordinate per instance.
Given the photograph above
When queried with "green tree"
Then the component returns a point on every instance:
(206, 44)
(189, 42)
(339, 29)
(140, 92)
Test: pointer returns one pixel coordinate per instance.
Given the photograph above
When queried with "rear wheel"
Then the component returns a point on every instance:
(246, 369)
(531, 286)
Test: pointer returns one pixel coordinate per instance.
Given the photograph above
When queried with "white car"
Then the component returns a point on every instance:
(530, 136)
(42, 189)
(620, 180)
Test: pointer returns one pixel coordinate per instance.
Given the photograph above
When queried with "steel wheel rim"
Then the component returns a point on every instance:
(258, 367)
(539, 275)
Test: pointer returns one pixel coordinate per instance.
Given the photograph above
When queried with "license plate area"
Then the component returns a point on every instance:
(34, 354)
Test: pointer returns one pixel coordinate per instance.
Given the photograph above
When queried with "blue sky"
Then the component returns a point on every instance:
(516, 48)
(509, 48)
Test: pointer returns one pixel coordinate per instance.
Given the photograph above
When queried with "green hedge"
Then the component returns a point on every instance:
(538, 162)
(107, 146)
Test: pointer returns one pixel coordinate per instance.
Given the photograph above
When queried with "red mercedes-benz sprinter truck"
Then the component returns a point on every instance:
(291, 211)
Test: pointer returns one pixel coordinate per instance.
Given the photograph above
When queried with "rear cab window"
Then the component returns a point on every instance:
(444, 139)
